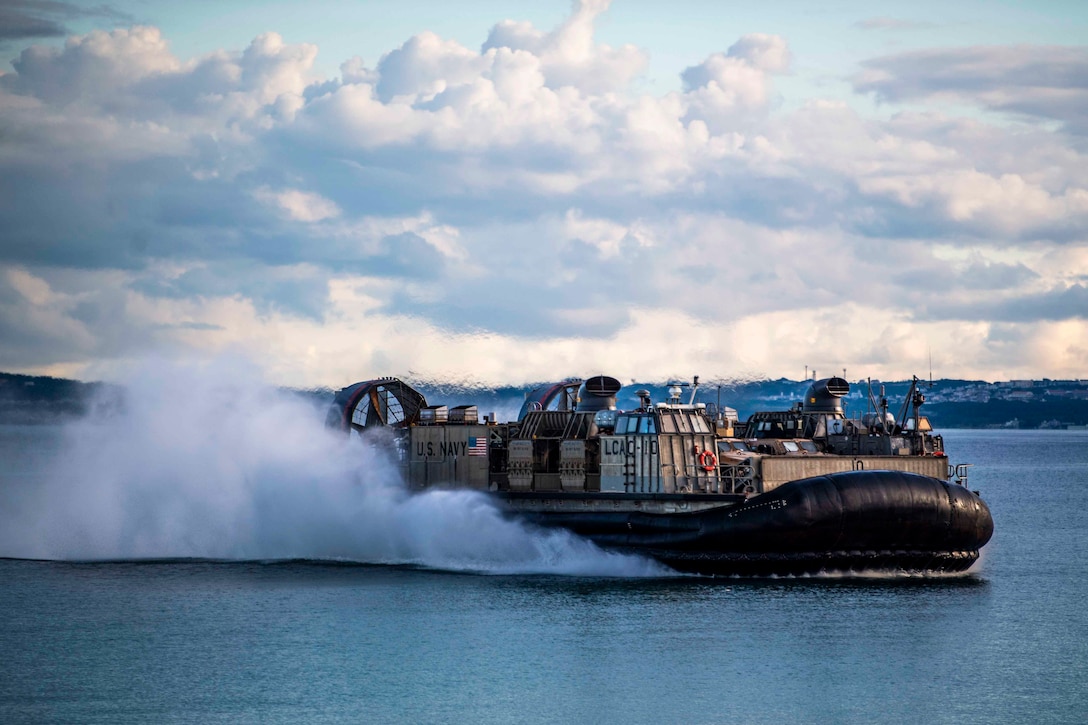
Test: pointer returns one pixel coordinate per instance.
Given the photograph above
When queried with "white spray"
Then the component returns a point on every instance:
(206, 461)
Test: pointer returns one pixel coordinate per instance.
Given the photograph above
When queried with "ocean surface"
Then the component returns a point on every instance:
(182, 571)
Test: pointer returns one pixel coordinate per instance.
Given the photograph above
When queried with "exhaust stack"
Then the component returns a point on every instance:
(598, 393)
(825, 396)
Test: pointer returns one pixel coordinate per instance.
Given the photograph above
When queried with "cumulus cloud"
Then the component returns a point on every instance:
(1009, 204)
(568, 55)
(521, 209)
(129, 76)
(763, 51)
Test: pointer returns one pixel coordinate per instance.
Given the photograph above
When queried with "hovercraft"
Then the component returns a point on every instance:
(786, 492)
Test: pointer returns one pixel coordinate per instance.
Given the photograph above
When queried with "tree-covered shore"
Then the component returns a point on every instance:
(42, 400)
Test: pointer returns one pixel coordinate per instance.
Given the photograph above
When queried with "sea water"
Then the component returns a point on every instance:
(218, 557)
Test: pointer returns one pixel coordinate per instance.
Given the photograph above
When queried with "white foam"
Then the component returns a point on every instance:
(207, 461)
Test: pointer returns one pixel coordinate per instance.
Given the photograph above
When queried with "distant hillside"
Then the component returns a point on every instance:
(31, 399)
(40, 400)
(28, 399)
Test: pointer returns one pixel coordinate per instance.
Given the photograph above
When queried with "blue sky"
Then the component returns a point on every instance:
(505, 194)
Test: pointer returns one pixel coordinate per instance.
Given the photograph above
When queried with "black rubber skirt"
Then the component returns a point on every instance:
(851, 521)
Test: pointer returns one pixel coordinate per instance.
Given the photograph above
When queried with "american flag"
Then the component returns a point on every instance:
(477, 446)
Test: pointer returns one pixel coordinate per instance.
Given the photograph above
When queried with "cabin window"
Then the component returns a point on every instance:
(698, 424)
(633, 424)
(668, 423)
(725, 447)
(791, 446)
(808, 446)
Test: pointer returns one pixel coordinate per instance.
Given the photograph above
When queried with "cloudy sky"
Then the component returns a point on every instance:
(487, 191)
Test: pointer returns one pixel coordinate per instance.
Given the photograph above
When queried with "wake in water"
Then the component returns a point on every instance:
(208, 462)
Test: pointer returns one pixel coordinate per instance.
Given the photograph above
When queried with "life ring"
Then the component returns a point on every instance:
(708, 460)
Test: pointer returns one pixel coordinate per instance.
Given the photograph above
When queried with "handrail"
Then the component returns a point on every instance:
(959, 471)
